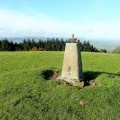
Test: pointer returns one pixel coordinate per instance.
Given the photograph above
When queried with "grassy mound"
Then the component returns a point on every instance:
(26, 95)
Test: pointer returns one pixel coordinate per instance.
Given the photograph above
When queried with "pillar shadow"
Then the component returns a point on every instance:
(50, 74)
(47, 74)
(89, 76)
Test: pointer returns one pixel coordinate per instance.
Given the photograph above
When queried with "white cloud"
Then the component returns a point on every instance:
(17, 24)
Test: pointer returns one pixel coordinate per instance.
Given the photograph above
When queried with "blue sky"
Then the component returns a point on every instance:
(91, 19)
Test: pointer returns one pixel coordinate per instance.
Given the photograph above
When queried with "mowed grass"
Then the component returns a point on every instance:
(25, 95)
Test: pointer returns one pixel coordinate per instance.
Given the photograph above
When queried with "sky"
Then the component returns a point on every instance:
(90, 19)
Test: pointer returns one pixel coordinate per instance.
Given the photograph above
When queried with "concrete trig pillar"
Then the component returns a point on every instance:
(72, 63)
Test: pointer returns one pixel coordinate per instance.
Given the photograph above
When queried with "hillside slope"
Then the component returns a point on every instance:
(25, 95)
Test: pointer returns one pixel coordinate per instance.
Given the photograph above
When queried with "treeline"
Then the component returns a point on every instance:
(46, 45)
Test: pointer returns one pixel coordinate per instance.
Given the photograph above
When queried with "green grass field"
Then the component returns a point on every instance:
(25, 95)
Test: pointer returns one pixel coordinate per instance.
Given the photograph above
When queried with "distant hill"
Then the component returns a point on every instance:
(103, 44)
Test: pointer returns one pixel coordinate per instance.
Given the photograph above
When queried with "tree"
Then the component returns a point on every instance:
(103, 50)
(117, 50)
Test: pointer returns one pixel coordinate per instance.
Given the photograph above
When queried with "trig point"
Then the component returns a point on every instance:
(72, 63)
